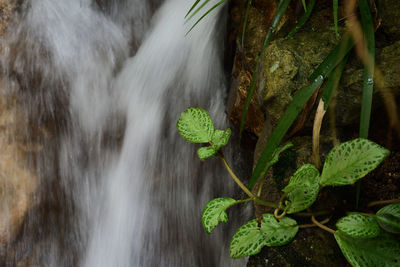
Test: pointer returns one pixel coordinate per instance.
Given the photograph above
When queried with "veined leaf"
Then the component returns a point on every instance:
(220, 138)
(278, 233)
(350, 161)
(214, 213)
(389, 218)
(247, 241)
(250, 238)
(303, 188)
(383, 250)
(195, 125)
(358, 225)
(206, 152)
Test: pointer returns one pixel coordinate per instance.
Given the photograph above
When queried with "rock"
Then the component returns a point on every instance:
(260, 14)
(6, 11)
(17, 181)
(286, 68)
(388, 11)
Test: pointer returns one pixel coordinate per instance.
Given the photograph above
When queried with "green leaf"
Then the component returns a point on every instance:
(220, 138)
(359, 226)
(368, 76)
(275, 156)
(205, 14)
(214, 213)
(206, 152)
(303, 19)
(247, 241)
(335, 15)
(383, 250)
(333, 82)
(195, 125)
(193, 7)
(389, 218)
(304, 5)
(350, 161)
(278, 233)
(303, 188)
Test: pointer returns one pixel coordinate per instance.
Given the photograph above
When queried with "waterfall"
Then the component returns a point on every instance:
(112, 77)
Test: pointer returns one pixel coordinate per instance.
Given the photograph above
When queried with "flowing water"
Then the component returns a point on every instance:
(119, 186)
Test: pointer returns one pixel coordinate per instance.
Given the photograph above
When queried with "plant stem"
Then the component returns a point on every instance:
(266, 203)
(235, 178)
(309, 214)
(383, 202)
(320, 225)
(313, 224)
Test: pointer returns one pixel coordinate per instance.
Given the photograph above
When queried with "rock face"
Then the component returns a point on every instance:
(17, 181)
(389, 13)
(6, 11)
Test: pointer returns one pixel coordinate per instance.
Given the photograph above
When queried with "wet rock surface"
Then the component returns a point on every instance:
(18, 182)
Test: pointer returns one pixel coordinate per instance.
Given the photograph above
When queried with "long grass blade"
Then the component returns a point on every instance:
(279, 12)
(193, 7)
(197, 10)
(246, 16)
(304, 5)
(333, 59)
(333, 82)
(298, 102)
(303, 19)
(205, 14)
(335, 15)
(368, 75)
(290, 115)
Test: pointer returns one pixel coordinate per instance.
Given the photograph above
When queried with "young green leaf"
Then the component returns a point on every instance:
(275, 157)
(206, 152)
(247, 241)
(220, 138)
(350, 161)
(383, 250)
(359, 226)
(278, 233)
(389, 218)
(303, 188)
(214, 213)
(303, 19)
(195, 125)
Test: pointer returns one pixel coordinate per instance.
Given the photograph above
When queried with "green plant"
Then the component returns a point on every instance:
(365, 240)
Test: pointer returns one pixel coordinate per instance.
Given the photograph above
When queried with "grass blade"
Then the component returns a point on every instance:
(205, 14)
(304, 5)
(334, 58)
(290, 115)
(197, 10)
(335, 15)
(298, 102)
(368, 76)
(333, 82)
(193, 7)
(279, 12)
(303, 19)
(246, 16)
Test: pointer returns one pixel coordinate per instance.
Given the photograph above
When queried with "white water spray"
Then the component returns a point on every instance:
(133, 186)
